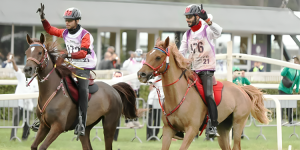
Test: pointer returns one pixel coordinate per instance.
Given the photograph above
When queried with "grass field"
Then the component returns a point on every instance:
(63, 142)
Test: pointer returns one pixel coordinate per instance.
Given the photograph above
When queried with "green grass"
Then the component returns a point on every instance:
(63, 142)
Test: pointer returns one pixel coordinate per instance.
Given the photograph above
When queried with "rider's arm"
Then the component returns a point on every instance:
(52, 30)
(183, 47)
(85, 45)
(214, 31)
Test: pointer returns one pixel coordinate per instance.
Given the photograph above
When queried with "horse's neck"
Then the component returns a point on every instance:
(47, 87)
(175, 92)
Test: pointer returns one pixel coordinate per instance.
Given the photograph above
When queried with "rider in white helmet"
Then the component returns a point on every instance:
(79, 44)
(198, 42)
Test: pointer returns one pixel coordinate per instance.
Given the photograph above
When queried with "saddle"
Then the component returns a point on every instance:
(217, 96)
(72, 88)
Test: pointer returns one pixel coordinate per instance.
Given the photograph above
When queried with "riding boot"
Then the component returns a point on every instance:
(207, 81)
(82, 100)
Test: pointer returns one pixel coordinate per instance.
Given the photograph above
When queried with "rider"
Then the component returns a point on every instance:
(79, 44)
(198, 42)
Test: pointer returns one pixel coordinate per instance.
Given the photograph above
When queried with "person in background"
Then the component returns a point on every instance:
(258, 67)
(106, 63)
(7, 63)
(293, 75)
(238, 76)
(117, 77)
(23, 104)
(154, 115)
(133, 65)
(114, 57)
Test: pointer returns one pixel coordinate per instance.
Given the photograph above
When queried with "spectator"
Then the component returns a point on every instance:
(117, 77)
(154, 115)
(239, 77)
(258, 67)
(23, 104)
(114, 57)
(133, 65)
(106, 63)
(7, 63)
(1, 58)
(290, 79)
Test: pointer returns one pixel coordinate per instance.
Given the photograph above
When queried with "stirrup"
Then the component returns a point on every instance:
(212, 132)
(35, 126)
(80, 127)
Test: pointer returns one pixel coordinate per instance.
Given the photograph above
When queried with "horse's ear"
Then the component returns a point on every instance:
(157, 40)
(166, 44)
(42, 38)
(29, 41)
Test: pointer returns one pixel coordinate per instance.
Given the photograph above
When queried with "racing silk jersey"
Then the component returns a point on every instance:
(200, 46)
(76, 44)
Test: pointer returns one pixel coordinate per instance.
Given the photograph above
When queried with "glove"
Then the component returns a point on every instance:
(203, 14)
(41, 11)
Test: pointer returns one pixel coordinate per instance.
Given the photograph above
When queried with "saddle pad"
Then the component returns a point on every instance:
(217, 90)
(71, 87)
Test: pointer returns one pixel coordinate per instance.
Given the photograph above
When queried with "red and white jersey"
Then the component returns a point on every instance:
(200, 46)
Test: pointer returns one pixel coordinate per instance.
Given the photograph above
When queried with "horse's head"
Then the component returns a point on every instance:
(37, 56)
(157, 61)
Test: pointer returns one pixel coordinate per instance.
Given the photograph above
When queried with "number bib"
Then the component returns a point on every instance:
(201, 52)
(73, 45)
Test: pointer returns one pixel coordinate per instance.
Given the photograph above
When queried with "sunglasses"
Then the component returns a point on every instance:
(189, 16)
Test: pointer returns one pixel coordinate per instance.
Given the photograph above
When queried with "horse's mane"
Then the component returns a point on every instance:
(61, 70)
(180, 61)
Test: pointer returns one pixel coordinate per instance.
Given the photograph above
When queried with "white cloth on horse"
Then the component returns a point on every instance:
(153, 97)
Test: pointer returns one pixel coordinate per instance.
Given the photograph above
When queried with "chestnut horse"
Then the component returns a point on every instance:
(236, 103)
(60, 113)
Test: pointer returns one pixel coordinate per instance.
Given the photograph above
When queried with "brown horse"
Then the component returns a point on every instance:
(60, 113)
(235, 107)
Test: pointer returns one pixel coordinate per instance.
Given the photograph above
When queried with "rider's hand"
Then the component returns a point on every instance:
(41, 11)
(203, 14)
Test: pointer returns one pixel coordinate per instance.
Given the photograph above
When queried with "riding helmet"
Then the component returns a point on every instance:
(72, 13)
(192, 9)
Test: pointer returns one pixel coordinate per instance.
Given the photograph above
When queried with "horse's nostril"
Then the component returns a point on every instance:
(28, 69)
(143, 74)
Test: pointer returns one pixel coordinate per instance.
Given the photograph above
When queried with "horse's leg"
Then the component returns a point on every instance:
(85, 140)
(190, 134)
(109, 123)
(238, 126)
(223, 130)
(40, 136)
(168, 134)
(55, 131)
(223, 139)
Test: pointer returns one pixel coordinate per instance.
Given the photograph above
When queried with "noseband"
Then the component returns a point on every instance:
(44, 59)
(166, 60)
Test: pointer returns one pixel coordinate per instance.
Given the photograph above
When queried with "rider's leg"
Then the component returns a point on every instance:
(207, 81)
(83, 96)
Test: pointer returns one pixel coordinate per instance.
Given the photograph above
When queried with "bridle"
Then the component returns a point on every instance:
(44, 59)
(166, 60)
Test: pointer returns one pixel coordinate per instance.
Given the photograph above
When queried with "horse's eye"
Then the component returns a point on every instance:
(157, 58)
(40, 53)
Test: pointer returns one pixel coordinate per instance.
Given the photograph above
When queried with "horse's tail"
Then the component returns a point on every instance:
(258, 110)
(128, 99)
